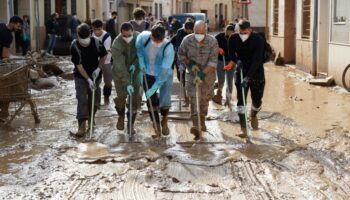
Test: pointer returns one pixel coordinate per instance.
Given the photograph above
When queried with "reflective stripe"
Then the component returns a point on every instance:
(256, 109)
(241, 109)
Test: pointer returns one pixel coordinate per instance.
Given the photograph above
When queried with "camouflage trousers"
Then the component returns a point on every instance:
(206, 93)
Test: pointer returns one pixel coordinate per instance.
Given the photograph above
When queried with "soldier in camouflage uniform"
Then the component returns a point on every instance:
(199, 53)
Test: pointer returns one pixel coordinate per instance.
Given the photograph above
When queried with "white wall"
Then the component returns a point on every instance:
(338, 59)
(257, 13)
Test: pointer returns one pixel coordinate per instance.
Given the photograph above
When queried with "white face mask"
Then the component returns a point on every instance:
(85, 42)
(128, 39)
(244, 37)
(199, 37)
(139, 22)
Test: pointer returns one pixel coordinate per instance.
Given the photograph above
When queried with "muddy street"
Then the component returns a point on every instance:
(301, 151)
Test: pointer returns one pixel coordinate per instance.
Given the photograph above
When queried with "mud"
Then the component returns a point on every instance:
(301, 151)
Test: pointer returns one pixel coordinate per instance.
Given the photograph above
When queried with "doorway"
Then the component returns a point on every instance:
(290, 32)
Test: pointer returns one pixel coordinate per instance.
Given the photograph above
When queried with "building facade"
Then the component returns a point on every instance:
(313, 34)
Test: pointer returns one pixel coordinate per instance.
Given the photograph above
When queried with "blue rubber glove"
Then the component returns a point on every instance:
(132, 69)
(245, 82)
(130, 89)
(142, 66)
(151, 91)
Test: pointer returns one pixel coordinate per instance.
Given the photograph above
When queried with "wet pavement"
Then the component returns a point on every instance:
(301, 151)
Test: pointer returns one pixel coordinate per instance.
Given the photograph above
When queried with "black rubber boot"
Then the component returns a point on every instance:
(243, 124)
(121, 118)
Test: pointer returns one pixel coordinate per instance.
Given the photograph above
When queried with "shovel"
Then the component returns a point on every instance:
(92, 108)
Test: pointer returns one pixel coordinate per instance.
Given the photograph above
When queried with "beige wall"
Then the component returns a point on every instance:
(338, 59)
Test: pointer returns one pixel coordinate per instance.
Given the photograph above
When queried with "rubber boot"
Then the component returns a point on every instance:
(106, 100)
(106, 93)
(81, 128)
(218, 97)
(121, 118)
(243, 124)
(195, 129)
(203, 126)
(254, 119)
(164, 122)
(157, 129)
(133, 118)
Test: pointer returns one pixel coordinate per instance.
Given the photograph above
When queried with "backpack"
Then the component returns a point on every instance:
(267, 49)
(149, 39)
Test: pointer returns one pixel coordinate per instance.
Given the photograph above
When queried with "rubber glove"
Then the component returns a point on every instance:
(201, 75)
(91, 84)
(132, 69)
(151, 91)
(191, 64)
(96, 73)
(130, 89)
(228, 67)
(142, 66)
(221, 52)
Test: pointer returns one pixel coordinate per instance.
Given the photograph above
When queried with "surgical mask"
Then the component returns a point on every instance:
(244, 37)
(85, 42)
(139, 22)
(157, 44)
(128, 39)
(199, 37)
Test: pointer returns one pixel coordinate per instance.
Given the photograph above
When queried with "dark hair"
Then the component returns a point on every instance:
(74, 13)
(126, 26)
(114, 13)
(158, 32)
(189, 24)
(54, 15)
(139, 13)
(230, 28)
(97, 23)
(244, 24)
(16, 19)
(83, 31)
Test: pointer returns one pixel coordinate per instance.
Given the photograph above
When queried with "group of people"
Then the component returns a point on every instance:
(144, 59)
(141, 60)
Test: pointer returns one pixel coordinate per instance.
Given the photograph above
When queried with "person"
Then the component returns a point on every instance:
(124, 51)
(175, 25)
(73, 25)
(52, 30)
(248, 48)
(111, 25)
(199, 53)
(88, 57)
(156, 55)
(180, 35)
(25, 36)
(6, 39)
(222, 39)
(106, 40)
(139, 23)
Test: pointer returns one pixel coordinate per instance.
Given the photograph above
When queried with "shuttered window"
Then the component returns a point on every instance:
(275, 16)
(306, 19)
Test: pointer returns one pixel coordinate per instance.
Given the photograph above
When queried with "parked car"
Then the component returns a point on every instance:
(195, 16)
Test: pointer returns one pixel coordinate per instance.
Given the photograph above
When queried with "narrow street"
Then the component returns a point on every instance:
(301, 151)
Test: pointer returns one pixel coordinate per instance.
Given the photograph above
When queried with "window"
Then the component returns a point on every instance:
(306, 19)
(74, 6)
(275, 16)
(47, 8)
(340, 30)
(160, 11)
(156, 10)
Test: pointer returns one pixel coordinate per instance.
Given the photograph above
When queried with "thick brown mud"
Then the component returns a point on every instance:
(301, 151)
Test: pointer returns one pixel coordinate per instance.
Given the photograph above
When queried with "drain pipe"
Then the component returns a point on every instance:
(315, 38)
(37, 18)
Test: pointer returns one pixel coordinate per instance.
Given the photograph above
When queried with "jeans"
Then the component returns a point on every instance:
(107, 79)
(221, 76)
(84, 97)
(52, 38)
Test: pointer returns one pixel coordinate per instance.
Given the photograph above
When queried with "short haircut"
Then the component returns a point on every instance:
(83, 31)
(189, 24)
(230, 28)
(114, 13)
(243, 24)
(97, 23)
(16, 19)
(158, 32)
(54, 15)
(126, 26)
(139, 13)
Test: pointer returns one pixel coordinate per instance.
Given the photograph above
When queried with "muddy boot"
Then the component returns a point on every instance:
(254, 119)
(242, 122)
(121, 117)
(133, 118)
(164, 122)
(195, 129)
(81, 128)
(106, 100)
(218, 97)
(203, 126)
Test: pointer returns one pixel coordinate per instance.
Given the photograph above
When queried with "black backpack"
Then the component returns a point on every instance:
(267, 49)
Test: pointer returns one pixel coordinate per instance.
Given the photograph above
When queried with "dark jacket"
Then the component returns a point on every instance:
(180, 35)
(52, 26)
(110, 28)
(223, 43)
(250, 53)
